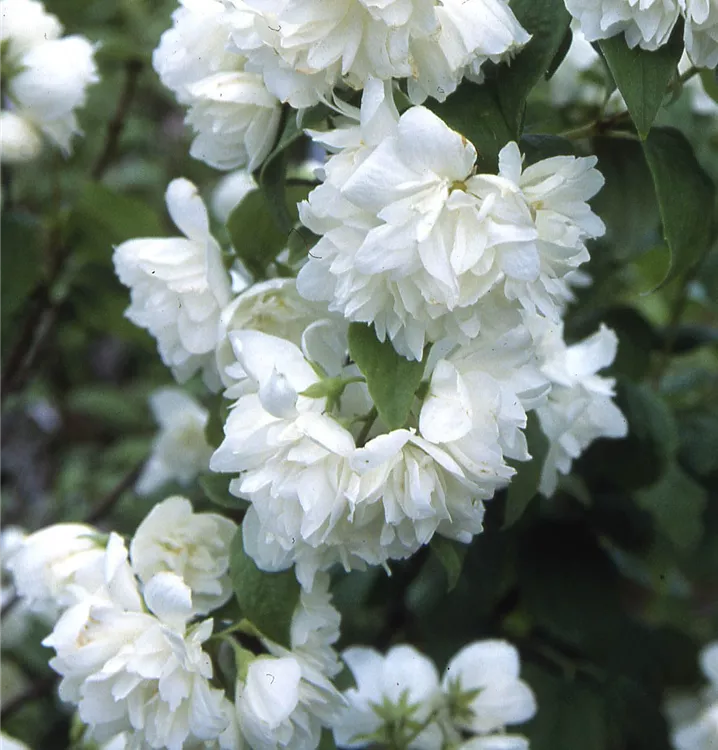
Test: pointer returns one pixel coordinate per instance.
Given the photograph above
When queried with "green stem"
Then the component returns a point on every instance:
(368, 424)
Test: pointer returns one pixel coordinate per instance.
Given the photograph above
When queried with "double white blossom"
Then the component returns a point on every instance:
(57, 566)
(304, 50)
(180, 450)
(579, 408)
(701, 31)
(316, 498)
(233, 115)
(646, 23)
(178, 286)
(195, 546)
(46, 82)
(413, 239)
(694, 719)
(132, 664)
(480, 694)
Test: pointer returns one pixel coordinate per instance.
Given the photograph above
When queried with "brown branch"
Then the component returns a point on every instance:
(110, 500)
(39, 689)
(116, 125)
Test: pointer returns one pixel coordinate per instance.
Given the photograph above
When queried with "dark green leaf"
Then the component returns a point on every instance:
(254, 231)
(267, 600)
(685, 197)
(216, 489)
(21, 267)
(627, 201)
(547, 21)
(536, 147)
(525, 483)
(639, 459)
(561, 53)
(568, 585)
(110, 217)
(699, 438)
(326, 742)
(392, 380)
(571, 716)
(676, 503)
(642, 77)
(451, 554)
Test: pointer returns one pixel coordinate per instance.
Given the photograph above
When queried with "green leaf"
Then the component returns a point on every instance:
(572, 714)
(451, 555)
(216, 489)
(256, 236)
(392, 380)
(642, 77)
(20, 267)
(525, 483)
(627, 201)
(326, 741)
(640, 458)
(547, 21)
(686, 198)
(110, 217)
(676, 503)
(267, 600)
(535, 147)
(568, 584)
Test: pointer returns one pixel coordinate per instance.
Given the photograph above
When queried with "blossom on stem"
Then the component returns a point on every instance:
(178, 286)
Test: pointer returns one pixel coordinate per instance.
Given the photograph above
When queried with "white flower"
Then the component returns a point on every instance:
(58, 566)
(10, 743)
(315, 628)
(141, 672)
(305, 50)
(195, 546)
(195, 47)
(230, 191)
(236, 120)
(491, 668)
(647, 23)
(178, 286)
(580, 408)
(418, 238)
(25, 24)
(51, 84)
(180, 450)
(701, 31)
(471, 32)
(695, 719)
(475, 408)
(272, 307)
(20, 141)
(402, 675)
(16, 620)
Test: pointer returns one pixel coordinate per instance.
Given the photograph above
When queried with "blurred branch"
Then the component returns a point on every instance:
(116, 125)
(110, 500)
(39, 689)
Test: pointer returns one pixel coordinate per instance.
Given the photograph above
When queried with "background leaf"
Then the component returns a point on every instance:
(642, 77)
(392, 380)
(268, 600)
(686, 197)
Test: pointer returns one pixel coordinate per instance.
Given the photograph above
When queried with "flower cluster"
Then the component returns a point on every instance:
(695, 718)
(132, 653)
(234, 63)
(401, 696)
(45, 80)
(649, 24)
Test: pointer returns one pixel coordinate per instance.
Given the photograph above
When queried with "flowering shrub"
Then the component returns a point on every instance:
(400, 434)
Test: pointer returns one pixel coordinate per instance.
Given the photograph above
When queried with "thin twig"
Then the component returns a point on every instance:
(9, 605)
(116, 125)
(111, 498)
(39, 689)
